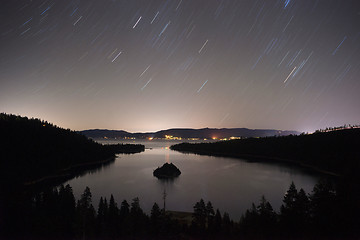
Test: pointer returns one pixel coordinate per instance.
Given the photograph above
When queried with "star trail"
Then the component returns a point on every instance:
(144, 65)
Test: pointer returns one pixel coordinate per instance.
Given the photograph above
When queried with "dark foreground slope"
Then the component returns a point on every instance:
(336, 151)
(32, 150)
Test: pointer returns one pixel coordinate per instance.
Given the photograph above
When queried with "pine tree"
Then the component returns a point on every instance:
(155, 213)
(266, 217)
(227, 223)
(199, 215)
(155, 218)
(102, 217)
(210, 214)
(322, 209)
(124, 209)
(66, 203)
(86, 214)
(124, 215)
(113, 210)
(217, 221)
(302, 207)
(113, 217)
(135, 207)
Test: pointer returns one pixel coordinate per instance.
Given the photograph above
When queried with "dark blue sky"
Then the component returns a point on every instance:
(150, 65)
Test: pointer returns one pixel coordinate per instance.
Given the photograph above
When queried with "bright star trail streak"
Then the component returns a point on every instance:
(25, 31)
(113, 52)
(77, 20)
(203, 45)
(145, 71)
(26, 22)
(178, 5)
(164, 28)
(45, 10)
(154, 18)
(146, 84)
(202, 86)
(257, 61)
(339, 46)
(137, 22)
(289, 75)
(286, 3)
(116, 57)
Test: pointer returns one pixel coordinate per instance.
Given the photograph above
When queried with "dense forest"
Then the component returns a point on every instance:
(32, 150)
(334, 151)
(55, 214)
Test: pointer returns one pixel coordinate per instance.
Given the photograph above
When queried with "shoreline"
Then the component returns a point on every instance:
(78, 169)
(68, 172)
(263, 159)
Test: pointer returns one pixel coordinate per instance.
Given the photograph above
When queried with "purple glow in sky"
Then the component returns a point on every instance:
(144, 65)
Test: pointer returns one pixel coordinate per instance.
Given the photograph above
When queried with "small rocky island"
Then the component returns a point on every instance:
(168, 170)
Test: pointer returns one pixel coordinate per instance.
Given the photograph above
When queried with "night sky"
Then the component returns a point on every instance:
(151, 65)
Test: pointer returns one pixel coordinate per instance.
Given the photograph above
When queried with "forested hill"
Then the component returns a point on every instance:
(335, 151)
(32, 149)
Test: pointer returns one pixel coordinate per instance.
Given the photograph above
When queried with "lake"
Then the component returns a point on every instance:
(230, 184)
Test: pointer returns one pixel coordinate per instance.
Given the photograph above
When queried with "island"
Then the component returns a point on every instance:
(168, 170)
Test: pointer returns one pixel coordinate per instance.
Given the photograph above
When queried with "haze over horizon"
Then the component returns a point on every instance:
(145, 66)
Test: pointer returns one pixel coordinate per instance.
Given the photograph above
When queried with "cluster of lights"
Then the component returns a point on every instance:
(227, 139)
(169, 137)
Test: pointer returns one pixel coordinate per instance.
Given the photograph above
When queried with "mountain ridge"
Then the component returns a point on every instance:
(217, 133)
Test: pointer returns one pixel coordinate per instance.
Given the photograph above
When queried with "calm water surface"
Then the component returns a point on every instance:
(230, 184)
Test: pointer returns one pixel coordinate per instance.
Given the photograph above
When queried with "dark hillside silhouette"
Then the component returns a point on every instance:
(32, 150)
(34, 154)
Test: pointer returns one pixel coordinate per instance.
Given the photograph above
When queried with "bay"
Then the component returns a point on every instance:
(230, 184)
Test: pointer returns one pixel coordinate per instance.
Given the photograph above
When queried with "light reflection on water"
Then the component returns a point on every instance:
(230, 184)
